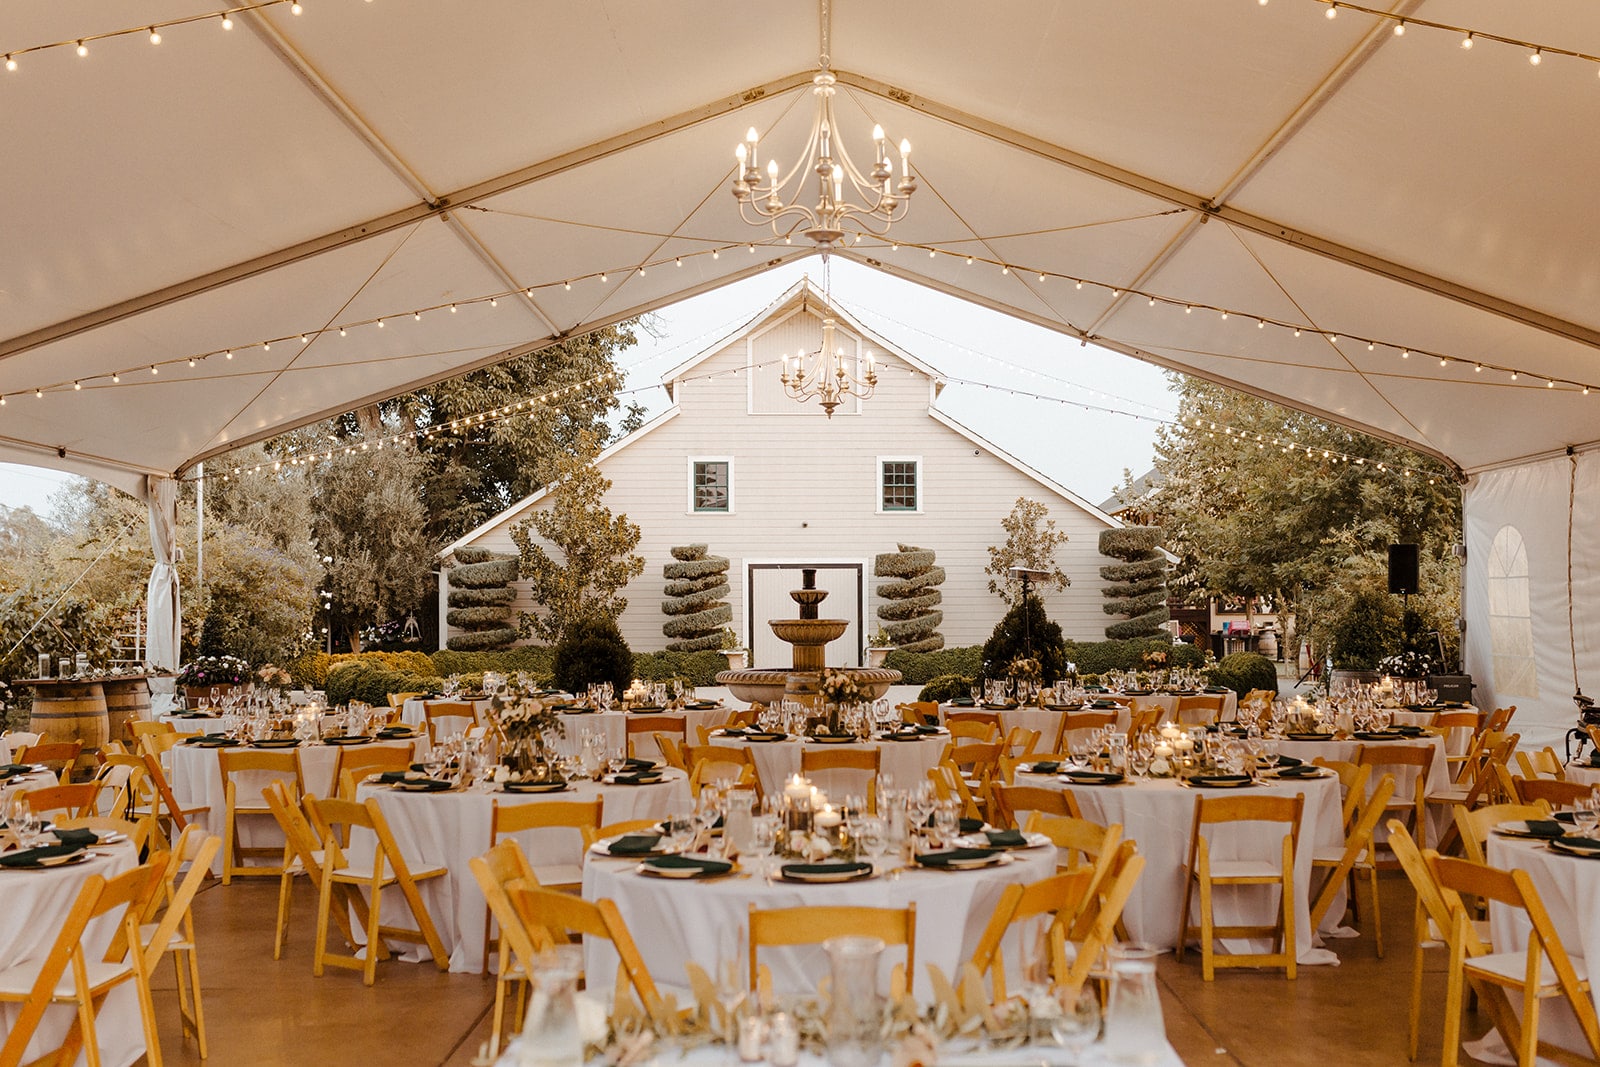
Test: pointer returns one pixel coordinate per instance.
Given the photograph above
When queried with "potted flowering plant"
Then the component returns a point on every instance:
(205, 675)
(1408, 664)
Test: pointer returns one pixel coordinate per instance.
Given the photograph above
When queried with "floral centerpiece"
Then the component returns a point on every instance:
(272, 676)
(1410, 664)
(840, 688)
(528, 726)
(1026, 669)
(214, 670)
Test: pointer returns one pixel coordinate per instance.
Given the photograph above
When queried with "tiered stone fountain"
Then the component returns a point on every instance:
(808, 636)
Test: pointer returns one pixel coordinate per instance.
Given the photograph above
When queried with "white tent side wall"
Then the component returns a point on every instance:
(1515, 591)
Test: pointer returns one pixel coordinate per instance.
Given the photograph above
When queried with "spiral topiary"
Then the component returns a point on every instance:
(1137, 587)
(696, 584)
(909, 598)
(480, 599)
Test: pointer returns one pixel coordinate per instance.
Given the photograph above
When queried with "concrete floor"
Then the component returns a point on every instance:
(261, 1011)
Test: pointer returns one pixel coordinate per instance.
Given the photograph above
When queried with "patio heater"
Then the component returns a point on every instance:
(1027, 575)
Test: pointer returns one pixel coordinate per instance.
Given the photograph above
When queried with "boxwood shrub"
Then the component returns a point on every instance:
(1244, 671)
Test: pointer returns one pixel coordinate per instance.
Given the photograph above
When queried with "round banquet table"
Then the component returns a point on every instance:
(1583, 773)
(33, 905)
(1404, 777)
(614, 724)
(448, 829)
(905, 762)
(1159, 813)
(1569, 886)
(675, 921)
(196, 780)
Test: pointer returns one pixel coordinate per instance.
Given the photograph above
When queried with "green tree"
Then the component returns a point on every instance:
(576, 555)
(1256, 500)
(371, 525)
(1031, 541)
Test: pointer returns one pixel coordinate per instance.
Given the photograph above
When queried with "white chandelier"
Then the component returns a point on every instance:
(822, 374)
(882, 201)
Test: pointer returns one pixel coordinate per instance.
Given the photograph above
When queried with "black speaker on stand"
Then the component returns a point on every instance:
(1403, 573)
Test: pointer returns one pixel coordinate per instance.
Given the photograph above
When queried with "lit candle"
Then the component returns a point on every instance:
(797, 789)
(1184, 743)
(827, 818)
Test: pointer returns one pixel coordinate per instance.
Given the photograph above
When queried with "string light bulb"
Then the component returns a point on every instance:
(295, 8)
(11, 64)
(83, 49)
(1466, 42)
(1535, 58)
(155, 37)
(227, 21)
(1400, 28)
(1333, 11)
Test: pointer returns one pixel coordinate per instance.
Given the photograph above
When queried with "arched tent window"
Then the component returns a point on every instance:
(1510, 618)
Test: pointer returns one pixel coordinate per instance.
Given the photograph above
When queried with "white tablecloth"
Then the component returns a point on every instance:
(1158, 814)
(905, 762)
(196, 779)
(412, 711)
(674, 922)
(33, 905)
(1569, 886)
(614, 724)
(448, 829)
(1583, 773)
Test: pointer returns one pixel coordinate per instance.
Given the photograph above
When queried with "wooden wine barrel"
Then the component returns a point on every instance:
(127, 700)
(72, 711)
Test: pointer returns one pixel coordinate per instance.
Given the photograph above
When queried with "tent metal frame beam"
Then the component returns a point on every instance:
(529, 348)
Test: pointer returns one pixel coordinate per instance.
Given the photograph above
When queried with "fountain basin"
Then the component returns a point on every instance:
(768, 686)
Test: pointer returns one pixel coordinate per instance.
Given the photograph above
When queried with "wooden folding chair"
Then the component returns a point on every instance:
(775, 927)
(1203, 872)
(1143, 721)
(949, 784)
(561, 914)
(1474, 826)
(1199, 709)
(355, 764)
(435, 712)
(1555, 794)
(671, 749)
(1074, 722)
(1358, 856)
(1099, 923)
(919, 712)
(1499, 720)
(69, 800)
(1061, 898)
(388, 867)
(710, 763)
(1353, 780)
(1542, 764)
(1453, 726)
(93, 976)
(650, 725)
(494, 870)
(1410, 765)
(581, 816)
(279, 766)
(842, 772)
(174, 931)
(1012, 800)
(1430, 924)
(302, 854)
(1021, 741)
(174, 815)
(59, 756)
(1079, 842)
(1542, 971)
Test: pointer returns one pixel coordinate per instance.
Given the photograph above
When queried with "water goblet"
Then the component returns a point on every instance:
(946, 822)
(1077, 1024)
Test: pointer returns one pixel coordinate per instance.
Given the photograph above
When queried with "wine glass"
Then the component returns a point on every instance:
(921, 803)
(617, 761)
(1077, 1024)
(731, 993)
(946, 821)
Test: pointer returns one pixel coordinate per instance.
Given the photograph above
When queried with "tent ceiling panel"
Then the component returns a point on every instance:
(139, 166)
(1180, 95)
(1446, 193)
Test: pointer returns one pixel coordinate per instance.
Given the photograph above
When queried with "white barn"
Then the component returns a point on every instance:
(780, 487)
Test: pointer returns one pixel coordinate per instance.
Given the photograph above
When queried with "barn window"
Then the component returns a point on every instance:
(711, 485)
(899, 484)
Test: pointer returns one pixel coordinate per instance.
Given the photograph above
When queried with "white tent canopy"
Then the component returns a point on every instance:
(227, 189)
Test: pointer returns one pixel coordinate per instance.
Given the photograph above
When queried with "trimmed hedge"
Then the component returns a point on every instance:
(946, 687)
(1097, 657)
(700, 668)
(694, 599)
(371, 681)
(1244, 671)
(920, 668)
(910, 597)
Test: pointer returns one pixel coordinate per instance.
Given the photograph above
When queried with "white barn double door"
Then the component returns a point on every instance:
(767, 586)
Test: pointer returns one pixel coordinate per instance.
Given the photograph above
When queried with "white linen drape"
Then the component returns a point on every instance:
(162, 607)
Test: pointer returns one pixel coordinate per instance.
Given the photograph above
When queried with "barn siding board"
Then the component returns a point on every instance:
(807, 487)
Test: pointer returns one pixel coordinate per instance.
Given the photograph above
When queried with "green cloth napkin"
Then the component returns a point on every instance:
(1104, 705)
(1545, 828)
(1048, 766)
(1094, 777)
(962, 702)
(77, 838)
(733, 731)
(684, 863)
(1303, 770)
(1006, 838)
(954, 855)
(634, 844)
(815, 870)
(30, 857)
(1581, 844)
(637, 778)
(8, 770)
(1219, 779)
(1289, 761)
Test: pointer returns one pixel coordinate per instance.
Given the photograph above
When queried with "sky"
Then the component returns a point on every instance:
(1078, 443)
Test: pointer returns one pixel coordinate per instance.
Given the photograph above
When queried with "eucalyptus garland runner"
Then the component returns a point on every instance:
(696, 584)
(910, 598)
